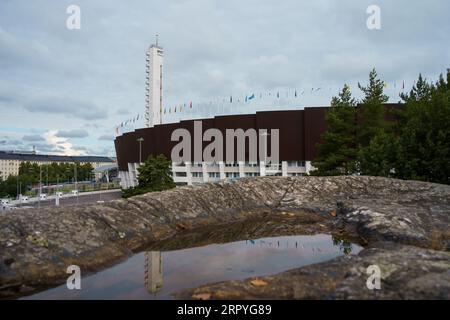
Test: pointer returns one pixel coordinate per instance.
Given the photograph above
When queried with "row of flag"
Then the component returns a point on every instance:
(241, 99)
(386, 85)
(247, 98)
(128, 122)
(252, 96)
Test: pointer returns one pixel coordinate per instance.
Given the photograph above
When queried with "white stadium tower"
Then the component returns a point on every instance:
(153, 85)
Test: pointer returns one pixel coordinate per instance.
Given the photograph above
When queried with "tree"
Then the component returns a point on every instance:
(380, 156)
(371, 121)
(424, 142)
(30, 174)
(155, 174)
(338, 150)
(416, 145)
(8, 187)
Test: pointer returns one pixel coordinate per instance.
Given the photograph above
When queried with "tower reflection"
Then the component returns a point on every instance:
(153, 271)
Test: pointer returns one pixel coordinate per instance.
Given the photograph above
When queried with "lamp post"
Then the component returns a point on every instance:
(76, 179)
(40, 186)
(140, 148)
(20, 193)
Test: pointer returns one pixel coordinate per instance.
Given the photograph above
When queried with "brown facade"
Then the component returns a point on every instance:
(300, 132)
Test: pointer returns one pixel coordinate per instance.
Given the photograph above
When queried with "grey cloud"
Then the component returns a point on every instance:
(212, 49)
(80, 133)
(65, 105)
(123, 112)
(11, 143)
(43, 148)
(33, 137)
(106, 137)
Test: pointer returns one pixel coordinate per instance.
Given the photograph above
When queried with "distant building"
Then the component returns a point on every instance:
(106, 173)
(154, 85)
(10, 161)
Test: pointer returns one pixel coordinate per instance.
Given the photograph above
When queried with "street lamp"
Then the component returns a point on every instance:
(140, 148)
(76, 179)
(40, 186)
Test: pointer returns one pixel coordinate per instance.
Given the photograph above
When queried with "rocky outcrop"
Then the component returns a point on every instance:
(407, 272)
(36, 246)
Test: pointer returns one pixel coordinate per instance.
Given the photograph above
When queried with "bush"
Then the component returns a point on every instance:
(155, 174)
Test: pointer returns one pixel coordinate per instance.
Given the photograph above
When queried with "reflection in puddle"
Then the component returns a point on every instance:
(153, 271)
(156, 274)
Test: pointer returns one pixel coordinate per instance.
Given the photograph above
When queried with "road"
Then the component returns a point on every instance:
(82, 199)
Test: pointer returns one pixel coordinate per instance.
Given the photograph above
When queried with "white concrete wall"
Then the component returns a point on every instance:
(183, 173)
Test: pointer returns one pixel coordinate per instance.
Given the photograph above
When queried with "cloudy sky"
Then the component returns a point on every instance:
(65, 91)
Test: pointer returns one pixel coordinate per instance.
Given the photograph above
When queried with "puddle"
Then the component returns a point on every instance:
(157, 274)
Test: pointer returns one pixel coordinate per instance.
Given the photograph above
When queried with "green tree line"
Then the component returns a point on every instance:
(410, 142)
(30, 174)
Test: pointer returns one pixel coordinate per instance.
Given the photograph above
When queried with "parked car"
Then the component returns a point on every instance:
(59, 194)
(74, 192)
(43, 196)
(4, 202)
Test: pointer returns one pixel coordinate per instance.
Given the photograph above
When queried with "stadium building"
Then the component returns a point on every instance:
(299, 134)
